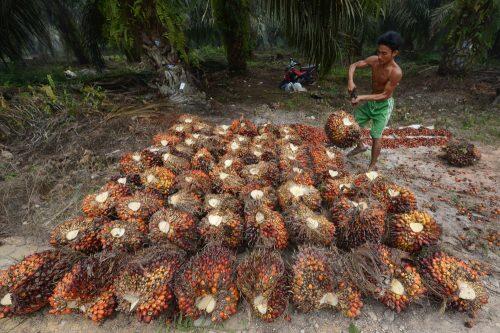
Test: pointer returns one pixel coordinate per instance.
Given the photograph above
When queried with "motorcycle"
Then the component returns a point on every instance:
(294, 73)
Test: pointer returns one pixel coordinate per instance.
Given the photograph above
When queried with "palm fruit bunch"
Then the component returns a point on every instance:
(222, 131)
(306, 226)
(181, 128)
(138, 207)
(175, 163)
(255, 195)
(243, 127)
(269, 128)
(314, 285)
(261, 279)
(131, 182)
(158, 180)
(238, 146)
(121, 235)
(214, 145)
(202, 127)
(137, 162)
(145, 286)
(203, 160)
(414, 230)
(87, 288)
(461, 154)
(298, 175)
(195, 181)
(104, 201)
(172, 226)
(165, 140)
(206, 285)
(265, 173)
(378, 271)
(291, 193)
(358, 221)
(287, 134)
(454, 281)
(226, 182)
(229, 164)
(184, 150)
(327, 163)
(265, 228)
(311, 134)
(333, 189)
(397, 199)
(187, 201)
(222, 226)
(224, 200)
(367, 180)
(25, 287)
(158, 151)
(80, 234)
(342, 130)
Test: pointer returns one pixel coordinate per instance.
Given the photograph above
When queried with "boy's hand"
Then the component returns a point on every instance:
(355, 101)
(351, 86)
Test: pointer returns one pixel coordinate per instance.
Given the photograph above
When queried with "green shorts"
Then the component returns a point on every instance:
(378, 112)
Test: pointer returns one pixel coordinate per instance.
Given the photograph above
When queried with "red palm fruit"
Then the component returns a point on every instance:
(214, 144)
(194, 141)
(79, 234)
(238, 146)
(165, 140)
(255, 195)
(225, 182)
(181, 129)
(310, 134)
(187, 201)
(312, 284)
(104, 201)
(414, 230)
(306, 226)
(223, 132)
(229, 164)
(137, 162)
(138, 207)
(265, 140)
(397, 199)
(224, 200)
(172, 226)
(349, 299)
(288, 161)
(122, 235)
(158, 179)
(202, 127)
(175, 163)
(291, 193)
(298, 175)
(158, 151)
(265, 228)
(405, 286)
(25, 287)
(377, 270)
(223, 227)
(327, 163)
(261, 279)
(184, 150)
(342, 130)
(100, 307)
(452, 280)
(80, 288)
(145, 286)
(203, 160)
(244, 127)
(334, 188)
(269, 128)
(368, 180)
(461, 154)
(195, 181)
(206, 285)
(131, 182)
(293, 152)
(265, 173)
(358, 221)
(288, 133)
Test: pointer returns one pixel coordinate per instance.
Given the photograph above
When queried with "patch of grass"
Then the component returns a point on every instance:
(353, 328)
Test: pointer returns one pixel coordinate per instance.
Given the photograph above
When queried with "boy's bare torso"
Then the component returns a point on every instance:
(381, 74)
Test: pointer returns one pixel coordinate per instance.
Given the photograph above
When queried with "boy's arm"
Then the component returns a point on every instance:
(359, 64)
(388, 89)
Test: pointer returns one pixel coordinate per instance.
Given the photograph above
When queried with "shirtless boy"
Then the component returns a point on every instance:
(386, 75)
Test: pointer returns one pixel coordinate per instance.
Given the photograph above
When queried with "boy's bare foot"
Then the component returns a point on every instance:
(372, 168)
(357, 150)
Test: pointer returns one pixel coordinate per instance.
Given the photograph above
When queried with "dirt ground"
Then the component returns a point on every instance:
(40, 189)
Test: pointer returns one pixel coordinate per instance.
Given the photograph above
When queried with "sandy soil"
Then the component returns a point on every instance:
(48, 187)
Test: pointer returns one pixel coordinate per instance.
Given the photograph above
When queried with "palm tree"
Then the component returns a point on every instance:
(470, 27)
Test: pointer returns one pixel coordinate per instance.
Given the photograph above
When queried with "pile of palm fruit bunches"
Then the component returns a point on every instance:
(197, 224)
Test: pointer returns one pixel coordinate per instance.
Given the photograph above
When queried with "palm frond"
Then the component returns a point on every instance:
(22, 22)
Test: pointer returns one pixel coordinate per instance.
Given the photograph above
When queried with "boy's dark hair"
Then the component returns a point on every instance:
(391, 39)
